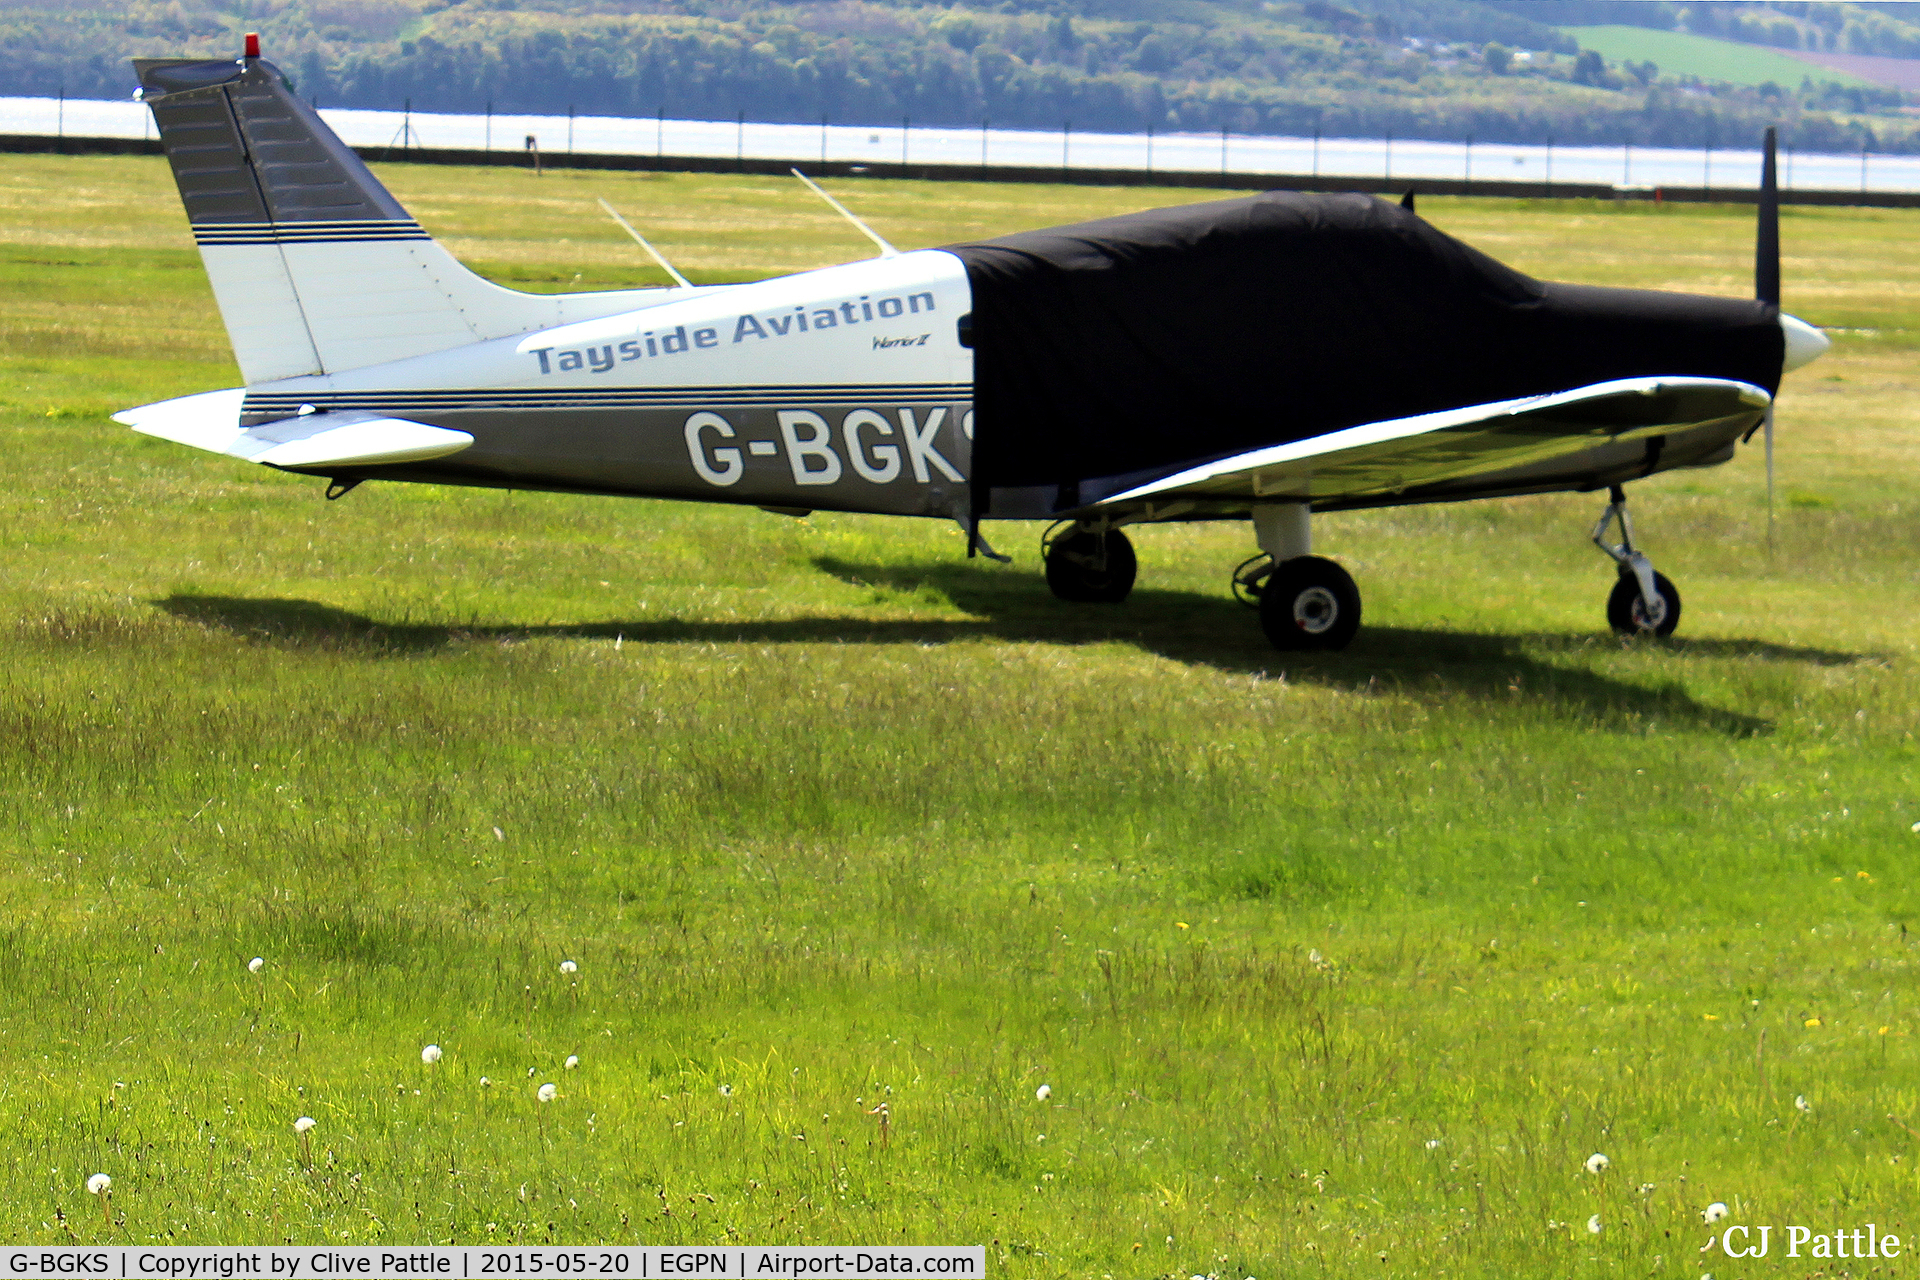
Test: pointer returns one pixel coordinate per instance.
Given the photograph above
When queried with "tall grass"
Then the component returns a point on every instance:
(1323, 958)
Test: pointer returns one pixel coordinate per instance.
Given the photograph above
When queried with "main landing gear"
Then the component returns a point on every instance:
(1305, 601)
(1642, 603)
(1088, 563)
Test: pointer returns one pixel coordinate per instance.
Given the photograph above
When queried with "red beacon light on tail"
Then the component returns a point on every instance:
(253, 44)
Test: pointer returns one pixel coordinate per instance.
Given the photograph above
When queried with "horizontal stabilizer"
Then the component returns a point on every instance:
(352, 438)
(1408, 455)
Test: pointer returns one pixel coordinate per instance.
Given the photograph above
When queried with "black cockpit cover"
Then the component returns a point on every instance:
(1148, 342)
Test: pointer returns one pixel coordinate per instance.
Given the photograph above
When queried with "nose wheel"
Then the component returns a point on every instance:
(1643, 602)
(1088, 565)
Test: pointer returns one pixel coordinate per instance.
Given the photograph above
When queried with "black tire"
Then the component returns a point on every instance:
(1628, 616)
(1091, 568)
(1309, 603)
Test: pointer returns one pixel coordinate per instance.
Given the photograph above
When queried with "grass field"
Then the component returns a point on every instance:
(1679, 53)
(1334, 965)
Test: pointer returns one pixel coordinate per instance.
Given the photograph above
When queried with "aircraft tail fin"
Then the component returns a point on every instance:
(314, 264)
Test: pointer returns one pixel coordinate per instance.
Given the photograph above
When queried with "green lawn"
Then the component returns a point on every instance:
(1335, 965)
(1681, 54)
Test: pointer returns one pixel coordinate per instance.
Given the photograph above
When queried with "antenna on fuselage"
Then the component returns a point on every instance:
(886, 250)
(666, 266)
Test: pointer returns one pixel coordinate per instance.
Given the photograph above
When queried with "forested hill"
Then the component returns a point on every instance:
(1445, 69)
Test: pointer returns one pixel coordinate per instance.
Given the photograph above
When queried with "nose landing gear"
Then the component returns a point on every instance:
(1643, 602)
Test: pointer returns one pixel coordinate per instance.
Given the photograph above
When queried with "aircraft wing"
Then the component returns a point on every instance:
(211, 421)
(1380, 459)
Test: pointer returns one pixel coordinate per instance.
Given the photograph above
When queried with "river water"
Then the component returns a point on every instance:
(1189, 152)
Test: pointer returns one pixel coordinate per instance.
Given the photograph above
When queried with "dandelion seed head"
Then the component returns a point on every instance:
(1597, 1163)
(256, 964)
(430, 1054)
(99, 1184)
(485, 1083)
(1432, 1143)
(1714, 1212)
(1593, 1225)
(1800, 1102)
(568, 966)
(1044, 1092)
(303, 1124)
(573, 1060)
(547, 1093)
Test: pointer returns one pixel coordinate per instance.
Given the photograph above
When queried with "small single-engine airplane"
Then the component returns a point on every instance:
(1260, 358)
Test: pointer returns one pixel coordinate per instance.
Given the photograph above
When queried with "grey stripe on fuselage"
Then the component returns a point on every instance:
(893, 451)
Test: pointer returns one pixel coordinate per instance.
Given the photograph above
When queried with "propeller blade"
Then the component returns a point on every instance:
(1769, 441)
(1766, 250)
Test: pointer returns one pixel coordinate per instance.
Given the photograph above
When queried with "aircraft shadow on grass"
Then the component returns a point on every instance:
(1182, 626)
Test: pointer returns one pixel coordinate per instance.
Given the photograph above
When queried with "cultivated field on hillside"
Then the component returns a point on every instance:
(1333, 965)
(1679, 53)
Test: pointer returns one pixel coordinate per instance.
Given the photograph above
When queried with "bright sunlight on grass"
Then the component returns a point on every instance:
(607, 862)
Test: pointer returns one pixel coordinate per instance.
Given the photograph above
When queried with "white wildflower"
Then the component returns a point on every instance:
(1597, 1163)
(303, 1124)
(256, 964)
(430, 1054)
(573, 1060)
(548, 1093)
(1432, 1143)
(1044, 1092)
(99, 1184)
(485, 1083)
(568, 966)
(1800, 1102)
(726, 1091)
(1713, 1212)
(1593, 1225)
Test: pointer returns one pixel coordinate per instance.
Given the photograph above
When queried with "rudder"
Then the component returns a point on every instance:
(314, 264)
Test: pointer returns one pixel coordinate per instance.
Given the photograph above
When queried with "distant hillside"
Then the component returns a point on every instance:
(1680, 53)
(1444, 69)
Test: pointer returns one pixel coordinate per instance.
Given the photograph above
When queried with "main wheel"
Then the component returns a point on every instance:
(1629, 615)
(1309, 603)
(1091, 568)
